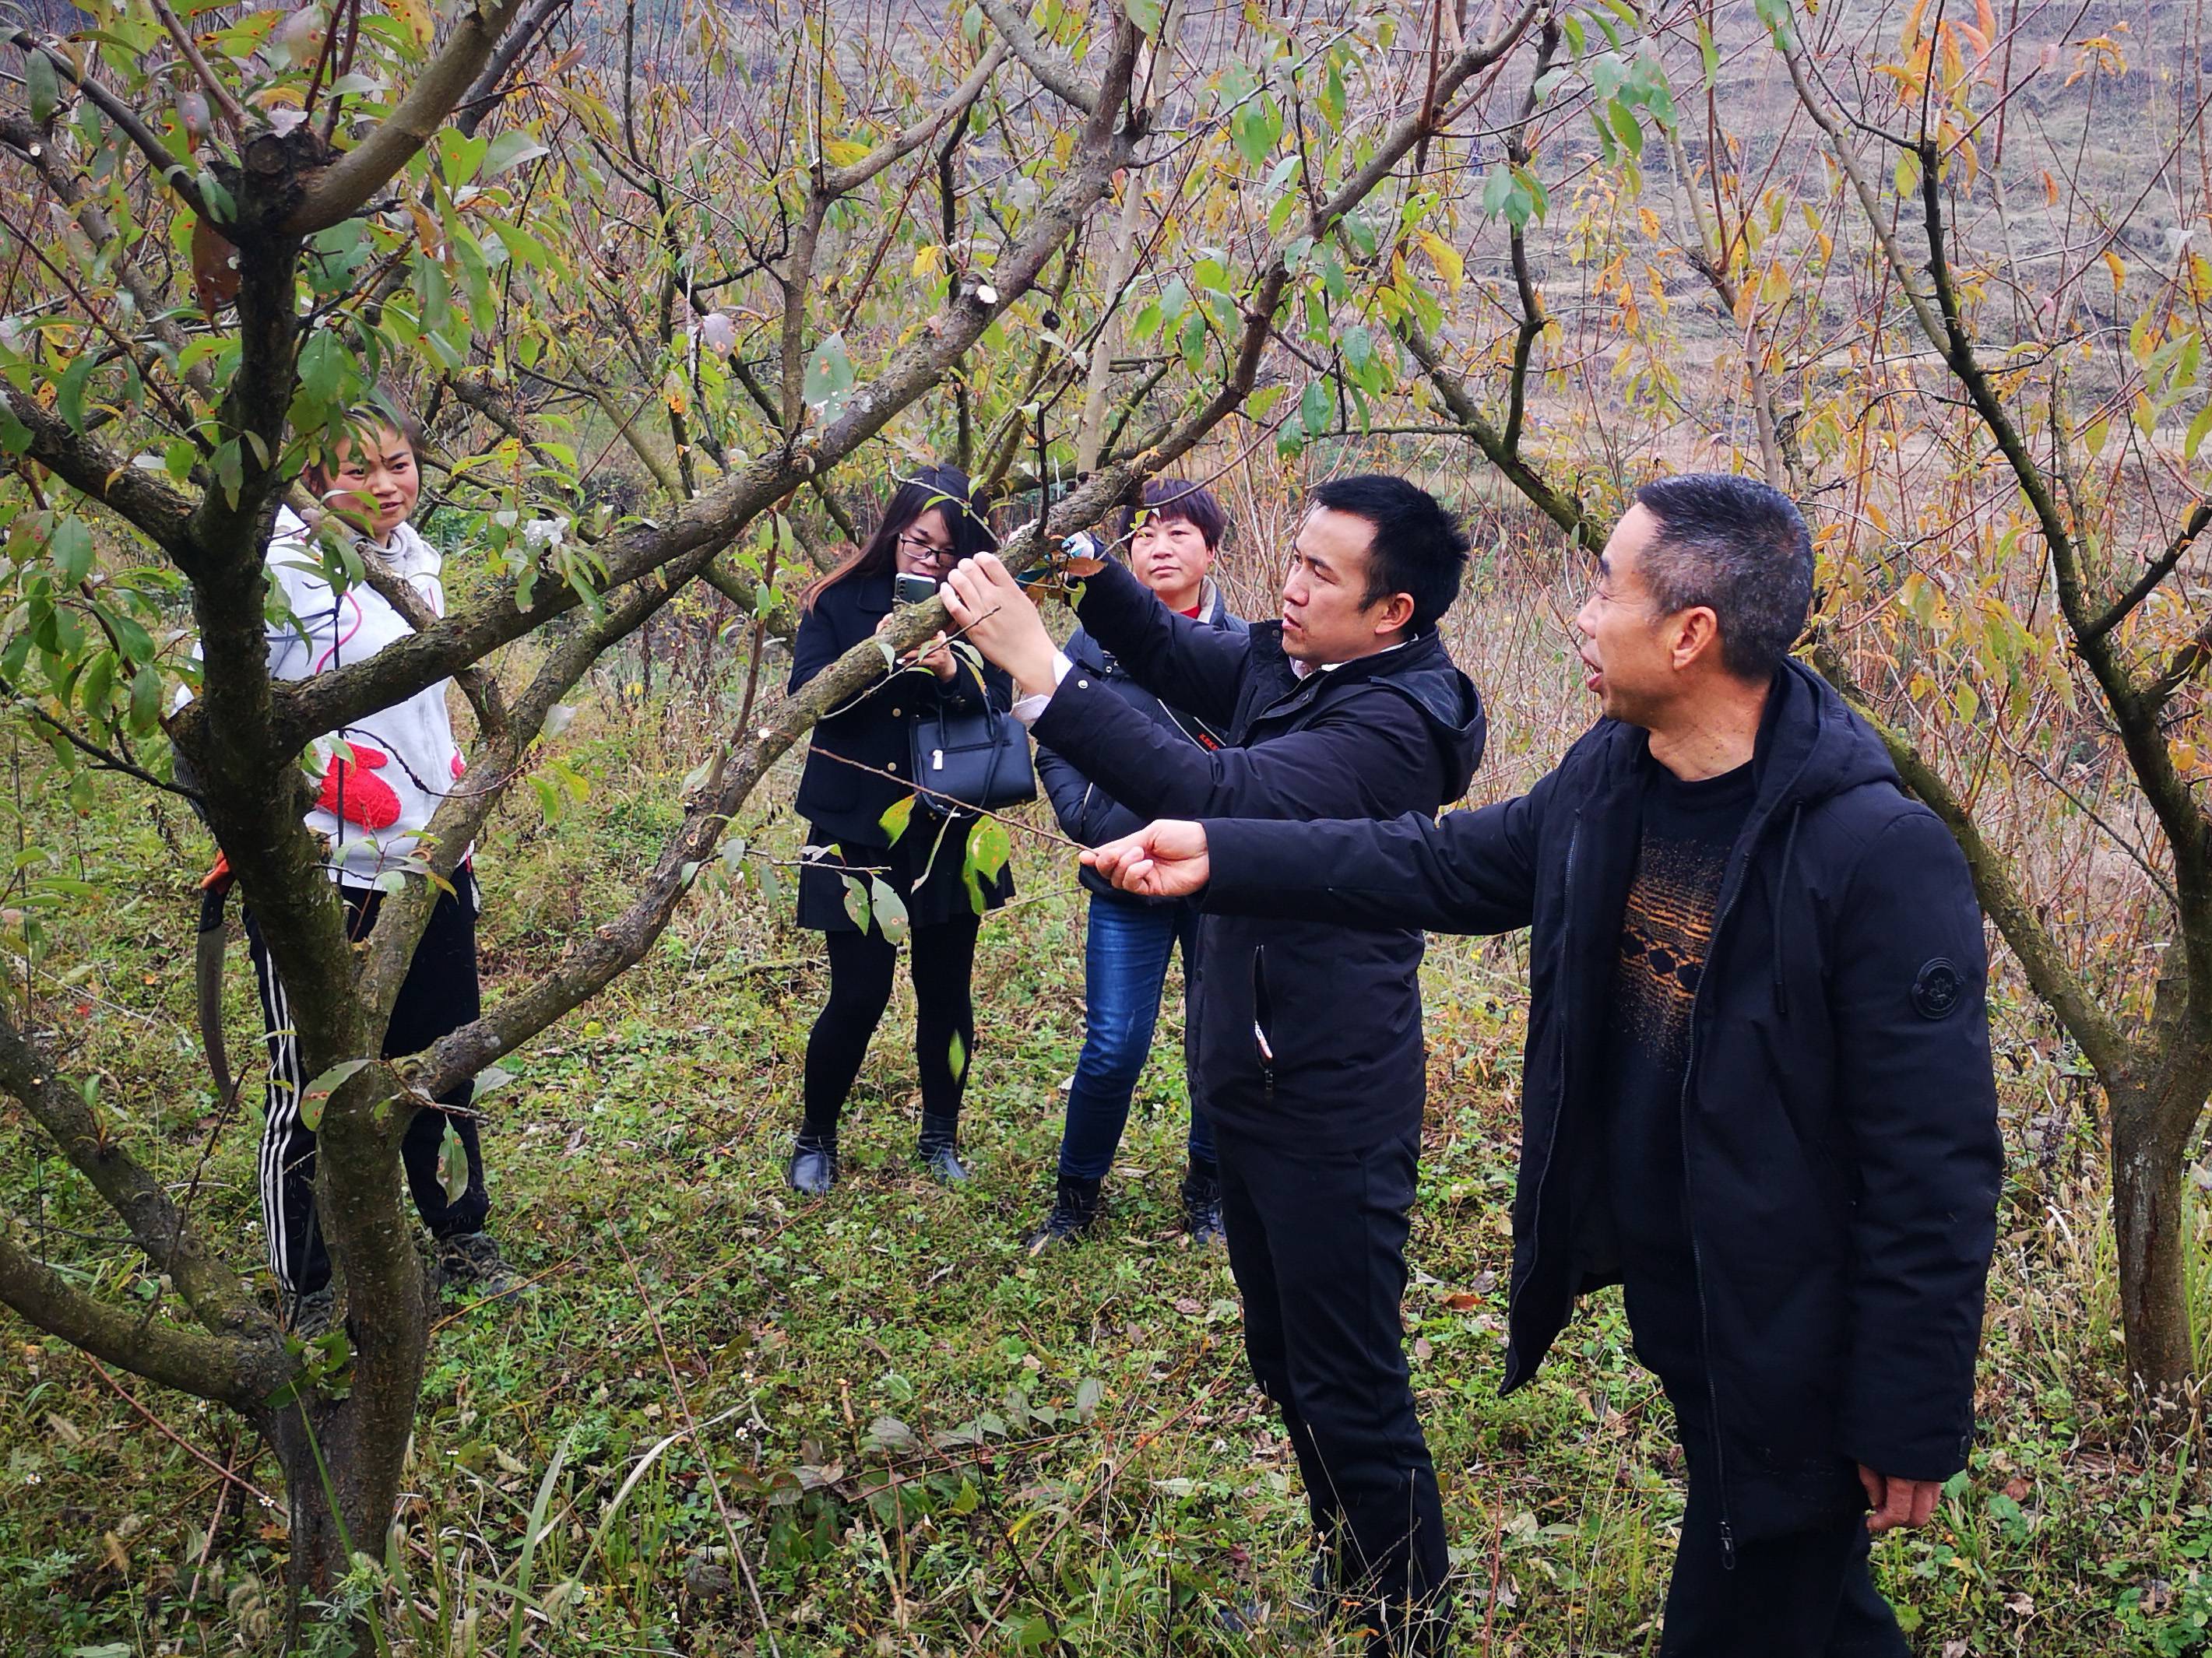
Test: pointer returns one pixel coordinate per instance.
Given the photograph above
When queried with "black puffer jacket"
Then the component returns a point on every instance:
(1839, 1116)
(1339, 1006)
(1087, 813)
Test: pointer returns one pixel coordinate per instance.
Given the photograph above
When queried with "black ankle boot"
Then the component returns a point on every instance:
(1201, 1206)
(813, 1167)
(938, 1149)
(1074, 1206)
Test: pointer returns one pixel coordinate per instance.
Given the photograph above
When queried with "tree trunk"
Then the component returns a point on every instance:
(363, 1475)
(342, 1457)
(2148, 1168)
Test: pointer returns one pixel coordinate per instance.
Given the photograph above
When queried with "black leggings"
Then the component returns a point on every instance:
(860, 968)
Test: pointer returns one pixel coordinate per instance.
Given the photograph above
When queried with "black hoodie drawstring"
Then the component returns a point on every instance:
(1782, 881)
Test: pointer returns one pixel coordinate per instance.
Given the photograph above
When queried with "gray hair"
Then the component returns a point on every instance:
(1739, 548)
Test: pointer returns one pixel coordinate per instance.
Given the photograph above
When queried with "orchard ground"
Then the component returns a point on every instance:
(917, 1439)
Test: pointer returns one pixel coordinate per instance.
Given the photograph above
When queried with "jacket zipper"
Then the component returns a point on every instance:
(1566, 1021)
(1697, 1263)
(1262, 1015)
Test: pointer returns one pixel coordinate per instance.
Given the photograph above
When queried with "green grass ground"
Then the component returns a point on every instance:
(871, 1416)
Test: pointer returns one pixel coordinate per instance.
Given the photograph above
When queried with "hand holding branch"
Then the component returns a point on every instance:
(1166, 860)
(936, 656)
(998, 619)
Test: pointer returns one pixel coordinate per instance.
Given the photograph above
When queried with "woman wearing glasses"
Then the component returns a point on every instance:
(854, 773)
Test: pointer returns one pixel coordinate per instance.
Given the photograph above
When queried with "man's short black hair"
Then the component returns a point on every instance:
(1418, 548)
(1740, 548)
(1174, 498)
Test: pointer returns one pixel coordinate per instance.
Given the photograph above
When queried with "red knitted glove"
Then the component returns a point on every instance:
(351, 793)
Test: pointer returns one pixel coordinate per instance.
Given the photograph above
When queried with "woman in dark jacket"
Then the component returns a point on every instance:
(856, 756)
(1173, 541)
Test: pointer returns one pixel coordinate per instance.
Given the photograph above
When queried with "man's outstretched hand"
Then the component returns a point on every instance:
(1899, 1502)
(1166, 860)
(998, 618)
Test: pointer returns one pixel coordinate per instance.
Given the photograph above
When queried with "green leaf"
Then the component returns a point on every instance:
(510, 149)
(230, 469)
(2197, 429)
(328, 1083)
(889, 909)
(896, 818)
(1315, 407)
(989, 848)
(490, 1079)
(69, 396)
(856, 902)
(956, 1056)
(44, 86)
(72, 549)
(1145, 15)
(1625, 124)
(322, 367)
(452, 1162)
(97, 685)
(1495, 189)
(145, 700)
(828, 378)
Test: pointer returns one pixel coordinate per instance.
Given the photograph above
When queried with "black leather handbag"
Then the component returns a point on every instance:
(963, 758)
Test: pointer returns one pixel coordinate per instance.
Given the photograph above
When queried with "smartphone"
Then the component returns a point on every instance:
(911, 588)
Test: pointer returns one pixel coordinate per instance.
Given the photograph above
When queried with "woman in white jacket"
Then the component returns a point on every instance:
(382, 779)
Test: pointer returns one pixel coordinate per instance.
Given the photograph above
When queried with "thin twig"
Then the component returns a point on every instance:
(171, 1434)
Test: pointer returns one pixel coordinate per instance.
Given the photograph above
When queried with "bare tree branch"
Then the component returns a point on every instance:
(101, 474)
(2040, 954)
(216, 1297)
(2157, 571)
(227, 1371)
(345, 187)
(718, 515)
(1051, 67)
(173, 173)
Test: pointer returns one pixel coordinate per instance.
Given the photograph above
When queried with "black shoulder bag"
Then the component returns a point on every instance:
(969, 758)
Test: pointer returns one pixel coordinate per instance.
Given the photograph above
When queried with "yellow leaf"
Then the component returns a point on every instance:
(1909, 42)
(845, 152)
(926, 259)
(2119, 271)
(1446, 258)
(413, 17)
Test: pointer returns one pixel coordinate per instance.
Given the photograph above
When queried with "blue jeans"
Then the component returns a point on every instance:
(1125, 963)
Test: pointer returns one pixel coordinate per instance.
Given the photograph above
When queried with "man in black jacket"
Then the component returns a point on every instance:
(1309, 1050)
(1127, 942)
(1757, 1088)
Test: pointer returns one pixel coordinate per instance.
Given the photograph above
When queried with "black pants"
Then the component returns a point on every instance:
(1317, 1242)
(861, 968)
(438, 996)
(1805, 1595)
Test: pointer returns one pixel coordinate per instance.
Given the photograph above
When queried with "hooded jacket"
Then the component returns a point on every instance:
(1841, 1159)
(1305, 1026)
(1087, 813)
(387, 774)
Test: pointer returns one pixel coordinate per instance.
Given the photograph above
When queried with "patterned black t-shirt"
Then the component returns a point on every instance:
(1688, 829)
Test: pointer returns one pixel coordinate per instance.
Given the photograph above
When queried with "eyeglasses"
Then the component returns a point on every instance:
(922, 547)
